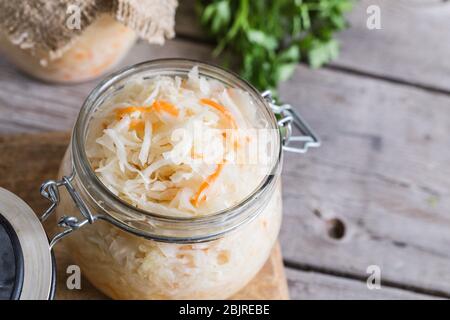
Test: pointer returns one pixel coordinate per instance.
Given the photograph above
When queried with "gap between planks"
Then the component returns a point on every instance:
(311, 285)
(393, 80)
(340, 275)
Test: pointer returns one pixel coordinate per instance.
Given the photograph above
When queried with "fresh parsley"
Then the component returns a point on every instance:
(270, 37)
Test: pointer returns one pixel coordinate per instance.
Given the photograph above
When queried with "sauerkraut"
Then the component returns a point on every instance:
(143, 147)
(178, 147)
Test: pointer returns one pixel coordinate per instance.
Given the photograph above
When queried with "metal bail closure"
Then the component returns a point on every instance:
(287, 117)
(49, 190)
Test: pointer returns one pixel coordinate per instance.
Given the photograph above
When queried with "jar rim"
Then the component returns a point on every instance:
(82, 167)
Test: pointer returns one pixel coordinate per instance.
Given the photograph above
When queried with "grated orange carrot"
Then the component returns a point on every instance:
(161, 105)
(205, 184)
(158, 105)
(137, 125)
(221, 109)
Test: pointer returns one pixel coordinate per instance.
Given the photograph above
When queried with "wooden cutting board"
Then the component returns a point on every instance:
(27, 160)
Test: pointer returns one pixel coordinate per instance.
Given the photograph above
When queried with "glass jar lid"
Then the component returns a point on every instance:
(27, 268)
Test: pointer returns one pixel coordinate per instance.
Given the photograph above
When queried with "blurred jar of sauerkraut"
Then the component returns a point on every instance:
(67, 42)
(96, 51)
(130, 251)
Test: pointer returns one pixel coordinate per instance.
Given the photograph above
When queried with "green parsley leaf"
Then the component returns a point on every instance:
(265, 39)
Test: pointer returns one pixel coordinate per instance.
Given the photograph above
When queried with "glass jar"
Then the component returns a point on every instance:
(128, 253)
(96, 51)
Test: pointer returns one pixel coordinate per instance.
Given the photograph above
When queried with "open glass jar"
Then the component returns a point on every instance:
(129, 253)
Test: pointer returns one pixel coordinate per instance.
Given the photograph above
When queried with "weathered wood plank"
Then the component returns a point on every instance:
(383, 170)
(304, 285)
(412, 45)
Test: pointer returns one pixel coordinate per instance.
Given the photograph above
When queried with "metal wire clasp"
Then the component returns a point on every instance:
(288, 117)
(50, 191)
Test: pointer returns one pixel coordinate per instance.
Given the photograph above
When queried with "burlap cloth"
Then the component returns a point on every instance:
(42, 25)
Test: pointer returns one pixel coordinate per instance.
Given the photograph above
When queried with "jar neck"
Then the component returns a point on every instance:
(106, 206)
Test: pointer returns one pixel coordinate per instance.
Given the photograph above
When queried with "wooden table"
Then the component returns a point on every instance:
(377, 192)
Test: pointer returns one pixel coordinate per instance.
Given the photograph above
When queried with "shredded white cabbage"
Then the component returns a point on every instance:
(167, 142)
